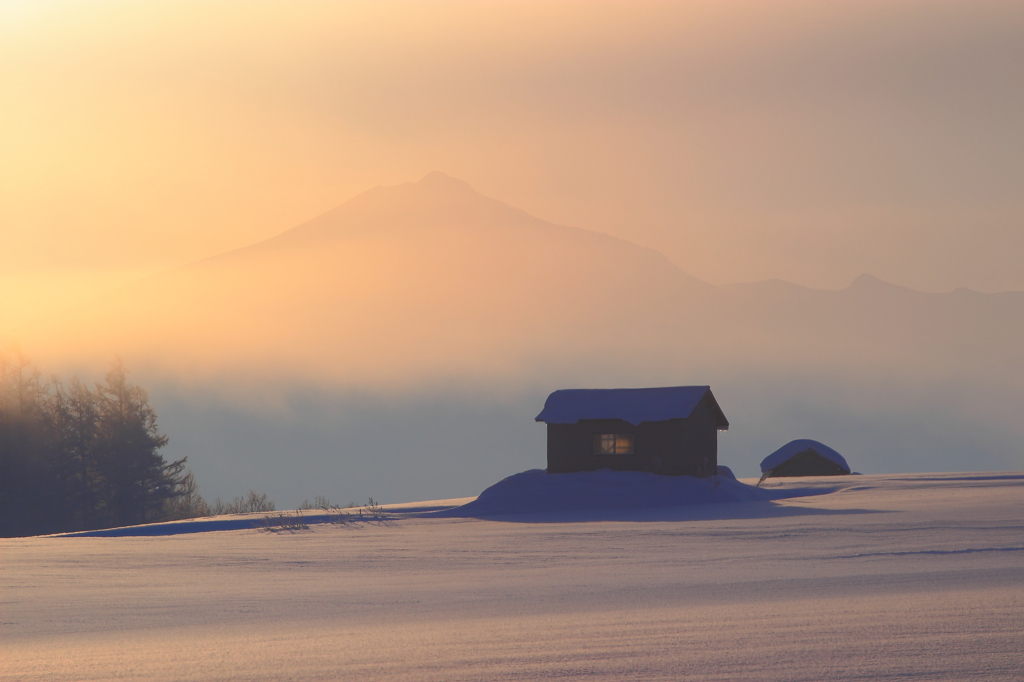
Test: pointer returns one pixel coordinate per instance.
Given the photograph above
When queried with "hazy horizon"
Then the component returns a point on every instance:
(35, 293)
(422, 325)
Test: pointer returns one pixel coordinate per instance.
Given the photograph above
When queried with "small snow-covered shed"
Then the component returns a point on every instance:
(804, 457)
(670, 430)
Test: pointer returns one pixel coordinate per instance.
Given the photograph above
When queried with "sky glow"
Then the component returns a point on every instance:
(804, 141)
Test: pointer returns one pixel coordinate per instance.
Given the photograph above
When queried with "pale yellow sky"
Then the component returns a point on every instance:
(746, 140)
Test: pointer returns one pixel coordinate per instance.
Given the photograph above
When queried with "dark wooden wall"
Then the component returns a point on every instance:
(677, 447)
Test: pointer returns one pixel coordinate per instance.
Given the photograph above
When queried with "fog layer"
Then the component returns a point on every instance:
(400, 345)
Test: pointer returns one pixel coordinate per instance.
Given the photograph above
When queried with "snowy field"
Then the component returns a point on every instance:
(897, 577)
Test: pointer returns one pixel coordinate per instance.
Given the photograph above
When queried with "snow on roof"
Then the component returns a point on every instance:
(795, 447)
(633, 405)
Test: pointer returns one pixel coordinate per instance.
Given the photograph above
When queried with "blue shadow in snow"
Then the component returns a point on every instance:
(190, 526)
(692, 512)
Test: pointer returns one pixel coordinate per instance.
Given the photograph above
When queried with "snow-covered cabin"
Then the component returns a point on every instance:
(670, 430)
(804, 457)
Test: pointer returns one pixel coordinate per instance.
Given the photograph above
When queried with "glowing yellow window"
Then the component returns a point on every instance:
(613, 444)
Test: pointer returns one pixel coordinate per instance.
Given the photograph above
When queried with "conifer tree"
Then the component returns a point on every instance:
(21, 440)
(138, 479)
(72, 458)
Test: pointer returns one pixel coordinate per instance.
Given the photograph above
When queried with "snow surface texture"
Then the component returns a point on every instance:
(878, 577)
(634, 405)
(794, 447)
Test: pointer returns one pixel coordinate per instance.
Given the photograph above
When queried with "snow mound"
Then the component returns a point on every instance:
(536, 491)
(794, 447)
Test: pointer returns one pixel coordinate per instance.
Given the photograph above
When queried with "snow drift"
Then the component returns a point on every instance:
(536, 491)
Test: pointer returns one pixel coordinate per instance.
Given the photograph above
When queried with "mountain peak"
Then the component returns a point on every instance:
(870, 284)
(868, 281)
(438, 181)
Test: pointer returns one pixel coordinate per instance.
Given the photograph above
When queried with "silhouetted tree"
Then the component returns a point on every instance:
(83, 444)
(72, 458)
(21, 441)
(138, 480)
(188, 503)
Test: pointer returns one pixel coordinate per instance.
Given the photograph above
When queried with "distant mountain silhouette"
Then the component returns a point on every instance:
(428, 277)
(432, 279)
(963, 334)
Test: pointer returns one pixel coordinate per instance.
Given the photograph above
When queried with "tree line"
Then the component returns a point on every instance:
(75, 457)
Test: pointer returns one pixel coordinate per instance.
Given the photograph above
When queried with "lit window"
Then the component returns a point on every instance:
(613, 444)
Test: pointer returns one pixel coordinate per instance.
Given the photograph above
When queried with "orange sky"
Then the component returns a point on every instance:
(746, 140)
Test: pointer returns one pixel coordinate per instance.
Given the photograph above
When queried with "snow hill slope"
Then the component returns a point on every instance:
(903, 577)
(530, 496)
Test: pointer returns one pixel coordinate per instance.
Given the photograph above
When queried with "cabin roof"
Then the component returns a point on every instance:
(795, 447)
(634, 405)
